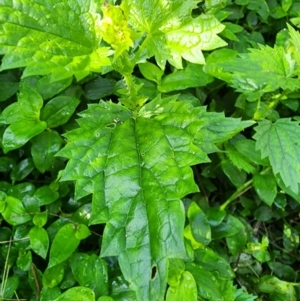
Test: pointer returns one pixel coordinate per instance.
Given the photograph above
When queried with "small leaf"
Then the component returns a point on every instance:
(266, 187)
(192, 76)
(43, 148)
(63, 245)
(45, 195)
(40, 219)
(39, 241)
(48, 293)
(212, 262)
(199, 224)
(14, 212)
(59, 110)
(82, 232)
(206, 282)
(17, 134)
(78, 293)
(151, 72)
(237, 177)
(90, 271)
(186, 290)
(279, 142)
(228, 227)
(22, 170)
(11, 285)
(24, 260)
(53, 276)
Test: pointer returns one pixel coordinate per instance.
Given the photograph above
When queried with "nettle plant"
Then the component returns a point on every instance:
(130, 157)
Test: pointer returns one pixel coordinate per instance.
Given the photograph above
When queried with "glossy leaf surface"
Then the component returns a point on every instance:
(171, 33)
(50, 43)
(142, 177)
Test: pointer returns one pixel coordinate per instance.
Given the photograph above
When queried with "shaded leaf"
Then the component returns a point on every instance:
(279, 142)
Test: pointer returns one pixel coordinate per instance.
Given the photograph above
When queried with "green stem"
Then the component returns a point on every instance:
(241, 190)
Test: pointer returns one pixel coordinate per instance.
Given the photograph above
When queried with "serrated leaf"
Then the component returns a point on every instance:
(142, 177)
(171, 32)
(41, 36)
(217, 128)
(265, 69)
(279, 142)
(237, 159)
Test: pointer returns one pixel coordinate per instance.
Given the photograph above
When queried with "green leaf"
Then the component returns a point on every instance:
(176, 268)
(41, 36)
(17, 134)
(45, 195)
(40, 219)
(216, 128)
(228, 227)
(266, 187)
(48, 293)
(22, 170)
(206, 282)
(11, 286)
(192, 76)
(91, 272)
(99, 88)
(78, 293)
(24, 260)
(237, 177)
(53, 276)
(59, 110)
(212, 262)
(265, 69)
(151, 72)
(43, 148)
(199, 224)
(39, 241)
(46, 87)
(8, 85)
(143, 176)
(171, 32)
(23, 118)
(82, 232)
(63, 245)
(279, 142)
(14, 212)
(186, 290)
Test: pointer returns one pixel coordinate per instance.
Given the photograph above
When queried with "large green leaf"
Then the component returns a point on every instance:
(280, 142)
(137, 167)
(45, 36)
(171, 32)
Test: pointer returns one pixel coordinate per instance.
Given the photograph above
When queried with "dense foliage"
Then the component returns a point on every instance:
(149, 150)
